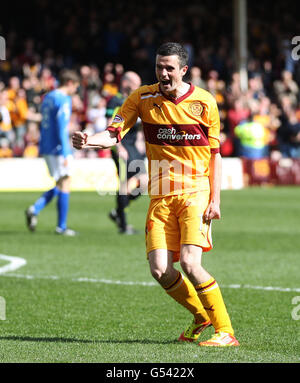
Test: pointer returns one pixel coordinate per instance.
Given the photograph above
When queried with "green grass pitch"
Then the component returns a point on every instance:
(91, 298)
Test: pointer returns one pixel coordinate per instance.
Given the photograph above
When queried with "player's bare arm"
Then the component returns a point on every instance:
(213, 210)
(102, 140)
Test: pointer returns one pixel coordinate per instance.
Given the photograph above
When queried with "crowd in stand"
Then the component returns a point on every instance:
(262, 121)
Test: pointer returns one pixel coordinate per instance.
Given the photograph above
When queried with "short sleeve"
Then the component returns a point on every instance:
(126, 116)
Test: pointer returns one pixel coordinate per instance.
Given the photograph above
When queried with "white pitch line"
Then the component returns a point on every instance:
(264, 288)
(149, 284)
(14, 263)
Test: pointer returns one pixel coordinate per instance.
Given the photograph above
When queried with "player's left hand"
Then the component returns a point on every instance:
(212, 212)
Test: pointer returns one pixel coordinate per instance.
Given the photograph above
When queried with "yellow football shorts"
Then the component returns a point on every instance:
(176, 220)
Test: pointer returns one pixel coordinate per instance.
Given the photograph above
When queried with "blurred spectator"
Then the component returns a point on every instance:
(286, 86)
(13, 87)
(85, 72)
(226, 144)
(256, 89)
(32, 141)
(254, 140)
(119, 71)
(96, 114)
(47, 80)
(33, 92)
(78, 117)
(212, 85)
(195, 77)
(56, 39)
(238, 113)
(5, 150)
(268, 77)
(18, 108)
(19, 115)
(110, 88)
(234, 91)
(6, 130)
(261, 113)
(90, 84)
(289, 135)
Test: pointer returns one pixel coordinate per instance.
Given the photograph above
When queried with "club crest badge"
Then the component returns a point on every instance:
(118, 118)
(196, 108)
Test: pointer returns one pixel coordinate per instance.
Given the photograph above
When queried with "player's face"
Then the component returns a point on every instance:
(168, 72)
(72, 87)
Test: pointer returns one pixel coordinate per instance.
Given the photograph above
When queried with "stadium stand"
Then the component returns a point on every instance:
(102, 40)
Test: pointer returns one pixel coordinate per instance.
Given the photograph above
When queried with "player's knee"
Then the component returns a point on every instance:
(64, 184)
(160, 274)
(189, 263)
(157, 273)
(190, 258)
(187, 266)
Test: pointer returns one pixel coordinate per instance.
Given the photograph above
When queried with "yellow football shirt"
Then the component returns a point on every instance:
(180, 135)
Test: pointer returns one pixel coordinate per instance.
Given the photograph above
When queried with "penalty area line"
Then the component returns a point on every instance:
(14, 263)
(147, 284)
(80, 279)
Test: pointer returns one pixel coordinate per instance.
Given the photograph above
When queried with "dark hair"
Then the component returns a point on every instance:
(169, 49)
(67, 75)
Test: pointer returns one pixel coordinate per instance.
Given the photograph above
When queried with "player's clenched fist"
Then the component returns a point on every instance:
(79, 140)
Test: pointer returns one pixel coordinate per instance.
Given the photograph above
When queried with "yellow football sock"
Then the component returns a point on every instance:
(210, 295)
(182, 290)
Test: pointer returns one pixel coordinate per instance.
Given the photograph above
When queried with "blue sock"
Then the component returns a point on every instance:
(63, 209)
(44, 200)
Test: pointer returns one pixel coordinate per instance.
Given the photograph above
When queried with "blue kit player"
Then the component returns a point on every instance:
(56, 111)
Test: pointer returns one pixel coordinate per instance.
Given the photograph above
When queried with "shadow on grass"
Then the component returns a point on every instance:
(74, 340)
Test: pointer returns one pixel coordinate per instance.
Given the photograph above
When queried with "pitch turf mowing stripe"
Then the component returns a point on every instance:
(150, 284)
